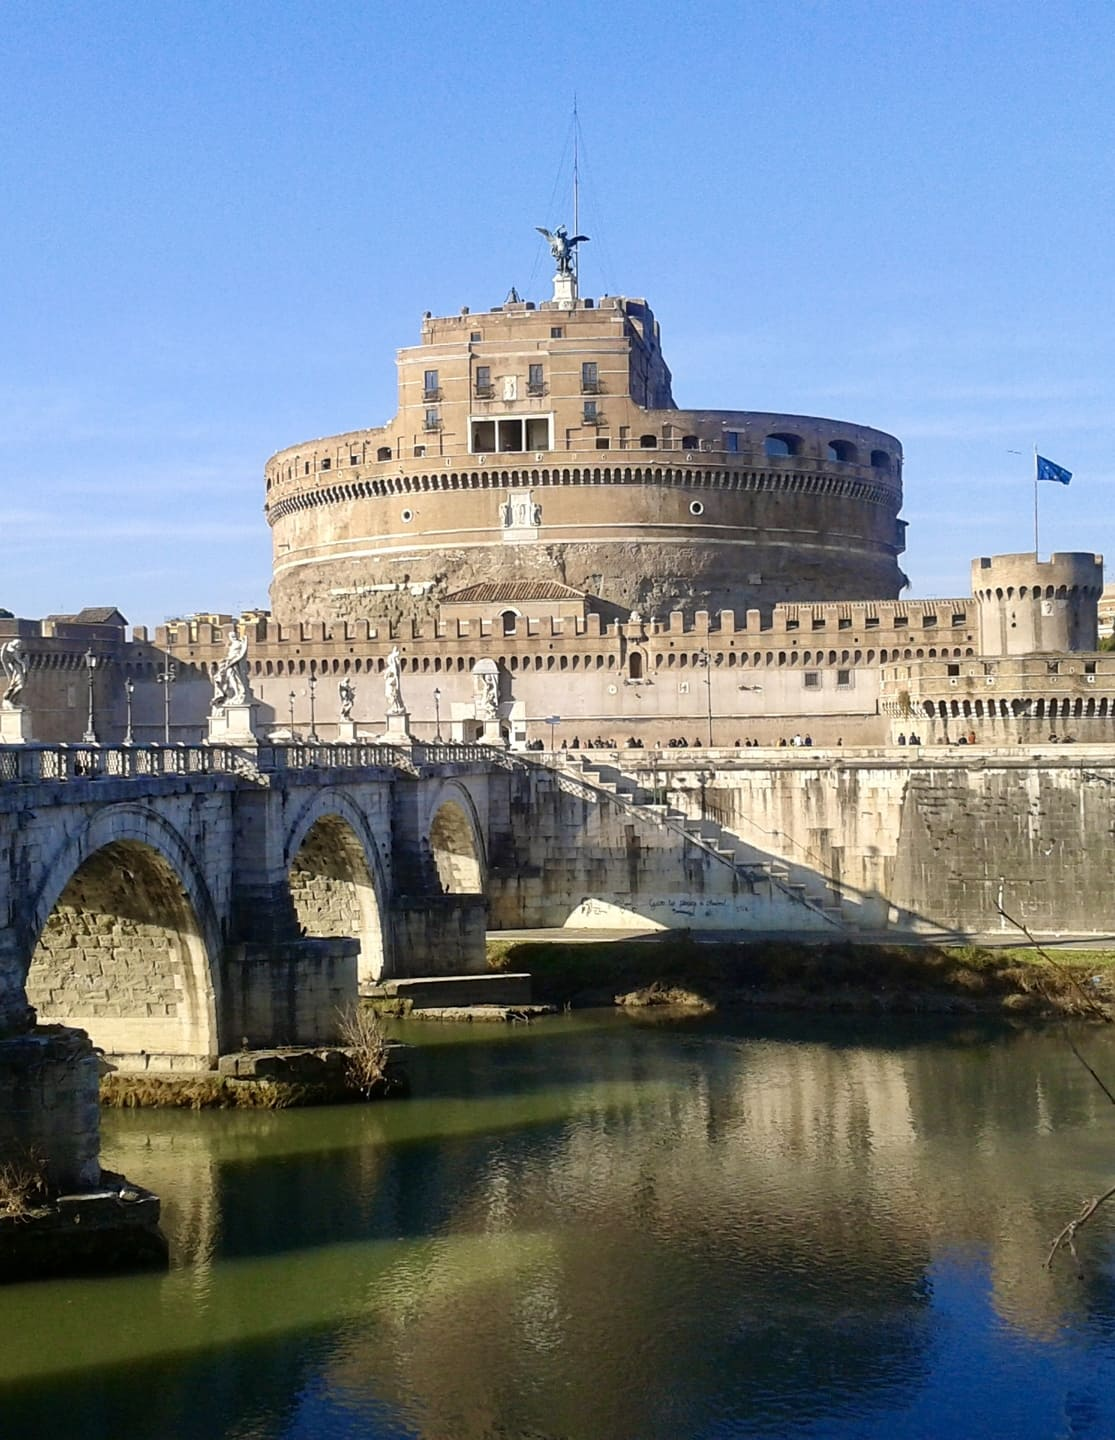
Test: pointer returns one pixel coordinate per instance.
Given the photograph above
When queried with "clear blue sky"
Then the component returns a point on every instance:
(221, 220)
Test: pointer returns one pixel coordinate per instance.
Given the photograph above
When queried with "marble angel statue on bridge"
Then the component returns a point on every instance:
(14, 661)
(230, 676)
(392, 683)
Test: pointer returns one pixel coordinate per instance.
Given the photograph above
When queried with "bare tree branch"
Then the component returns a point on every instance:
(1098, 1010)
(1068, 1235)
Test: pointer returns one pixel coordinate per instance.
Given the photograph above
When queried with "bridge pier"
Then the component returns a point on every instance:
(289, 993)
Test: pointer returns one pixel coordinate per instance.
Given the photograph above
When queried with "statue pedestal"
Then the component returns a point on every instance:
(565, 290)
(346, 732)
(491, 735)
(398, 730)
(15, 725)
(233, 724)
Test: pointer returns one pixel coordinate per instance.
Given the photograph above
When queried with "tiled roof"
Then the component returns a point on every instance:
(92, 615)
(514, 591)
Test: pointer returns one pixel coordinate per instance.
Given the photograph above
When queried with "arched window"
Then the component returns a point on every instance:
(690, 442)
(783, 445)
(843, 450)
(635, 665)
(384, 452)
(648, 442)
(509, 619)
(880, 460)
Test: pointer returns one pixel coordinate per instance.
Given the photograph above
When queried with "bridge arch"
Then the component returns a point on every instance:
(336, 879)
(123, 942)
(456, 841)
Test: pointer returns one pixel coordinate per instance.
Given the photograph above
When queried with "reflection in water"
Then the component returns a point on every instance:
(597, 1228)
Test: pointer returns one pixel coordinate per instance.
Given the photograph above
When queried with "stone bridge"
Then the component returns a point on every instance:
(177, 902)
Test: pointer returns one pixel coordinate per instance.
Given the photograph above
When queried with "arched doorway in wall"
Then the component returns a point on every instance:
(455, 850)
(334, 894)
(121, 955)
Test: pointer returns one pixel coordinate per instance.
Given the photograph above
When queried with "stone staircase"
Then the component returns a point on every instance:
(814, 895)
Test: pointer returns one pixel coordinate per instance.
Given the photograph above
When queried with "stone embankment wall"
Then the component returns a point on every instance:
(886, 841)
(936, 842)
(578, 856)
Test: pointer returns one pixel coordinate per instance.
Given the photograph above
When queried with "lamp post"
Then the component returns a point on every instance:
(90, 736)
(312, 688)
(166, 678)
(291, 698)
(437, 716)
(129, 691)
(552, 721)
(705, 659)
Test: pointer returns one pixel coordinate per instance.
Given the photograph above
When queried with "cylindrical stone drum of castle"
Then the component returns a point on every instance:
(543, 444)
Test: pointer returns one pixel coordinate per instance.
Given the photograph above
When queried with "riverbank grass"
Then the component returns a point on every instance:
(674, 968)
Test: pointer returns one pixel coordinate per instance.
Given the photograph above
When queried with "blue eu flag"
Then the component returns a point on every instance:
(1048, 471)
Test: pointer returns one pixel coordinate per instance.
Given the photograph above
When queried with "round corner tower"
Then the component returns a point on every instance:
(1029, 606)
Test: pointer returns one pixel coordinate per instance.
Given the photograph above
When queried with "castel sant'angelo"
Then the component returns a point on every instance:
(541, 546)
(537, 444)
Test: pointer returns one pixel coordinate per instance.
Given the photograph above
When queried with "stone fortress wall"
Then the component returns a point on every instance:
(1036, 675)
(814, 666)
(862, 672)
(539, 442)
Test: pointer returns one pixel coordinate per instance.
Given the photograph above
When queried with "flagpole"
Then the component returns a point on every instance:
(1035, 502)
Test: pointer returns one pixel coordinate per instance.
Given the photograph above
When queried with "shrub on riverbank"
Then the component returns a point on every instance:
(838, 974)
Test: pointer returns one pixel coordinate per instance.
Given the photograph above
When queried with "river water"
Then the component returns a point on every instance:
(603, 1227)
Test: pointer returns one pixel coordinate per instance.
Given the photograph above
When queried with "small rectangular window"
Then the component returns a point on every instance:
(843, 677)
(953, 670)
(556, 332)
(843, 623)
(590, 411)
(872, 622)
(901, 622)
(433, 420)
(484, 381)
(959, 618)
(1053, 667)
(1089, 667)
(536, 380)
(731, 441)
(811, 679)
(793, 624)
(327, 464)
(602, 442)
(353, 460)
(474, 336)
(590, 378)
(429, 384)
(818, 622)
(928, 622)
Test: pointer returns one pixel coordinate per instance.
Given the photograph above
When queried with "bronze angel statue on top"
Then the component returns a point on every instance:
(562, 245)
